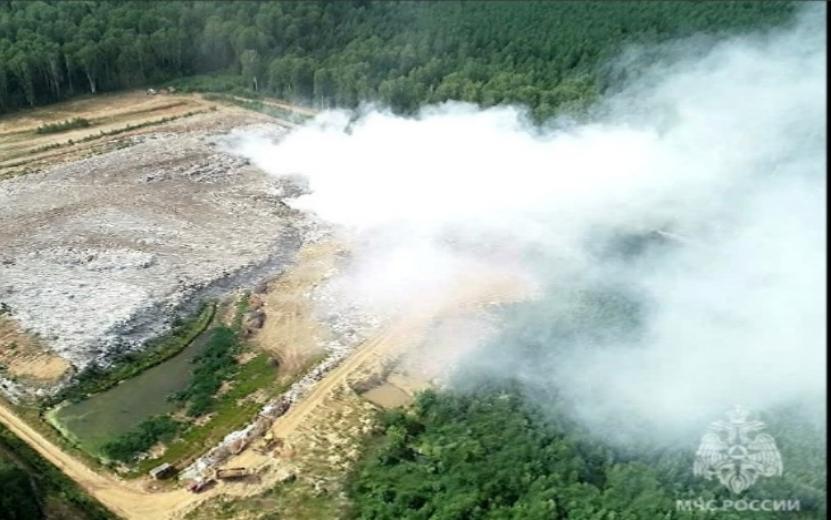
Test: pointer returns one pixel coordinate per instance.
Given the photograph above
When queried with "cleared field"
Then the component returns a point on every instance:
(113, 118)
(25, 358)
(23, 148)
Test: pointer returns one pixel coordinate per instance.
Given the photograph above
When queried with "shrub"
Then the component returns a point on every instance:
(215, 365)
(126, 447)
(63, 126)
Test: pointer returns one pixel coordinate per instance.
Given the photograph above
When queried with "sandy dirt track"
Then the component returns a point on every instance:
(130, 500)
(125, 499)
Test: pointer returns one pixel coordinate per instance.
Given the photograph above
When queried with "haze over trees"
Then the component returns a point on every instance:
(494, 445)
(546, 55)
(490, 453)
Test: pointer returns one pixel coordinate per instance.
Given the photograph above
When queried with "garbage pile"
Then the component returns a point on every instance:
(100, 254)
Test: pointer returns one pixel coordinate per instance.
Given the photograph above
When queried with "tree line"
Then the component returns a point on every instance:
(493, 453)
(35, 489)
(547, 55)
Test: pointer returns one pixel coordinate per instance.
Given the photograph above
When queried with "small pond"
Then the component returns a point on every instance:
(103, 416)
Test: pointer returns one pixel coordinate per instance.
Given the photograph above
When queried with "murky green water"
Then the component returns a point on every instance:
(118, 410)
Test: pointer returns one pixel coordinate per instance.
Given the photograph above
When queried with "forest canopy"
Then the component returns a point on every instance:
(492, 453)
(546, 55)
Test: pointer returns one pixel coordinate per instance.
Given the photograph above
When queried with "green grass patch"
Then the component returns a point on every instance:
(63, 126)
(240, 308)
(95, 379)
(231, 413)
(126, 447)
(212, 367)
(260, 106)
(257, 373)
(220, 82)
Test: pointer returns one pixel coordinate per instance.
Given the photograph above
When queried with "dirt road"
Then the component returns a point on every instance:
(404, 333)
(125, 499)
(130, 500)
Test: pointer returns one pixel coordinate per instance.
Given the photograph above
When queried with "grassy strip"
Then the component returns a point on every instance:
(136, 126)
(233, 83)
(51, 418)
(63, 126)
(102, 133)
(50, 480)
(241, 307)
(126, 447)
(231, 412)
(211, 369)
(156, 108)
(94, 379)
(261, 107)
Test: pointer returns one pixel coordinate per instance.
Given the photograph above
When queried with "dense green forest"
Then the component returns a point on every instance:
(547, 55)
(34, 489)
(489, 453)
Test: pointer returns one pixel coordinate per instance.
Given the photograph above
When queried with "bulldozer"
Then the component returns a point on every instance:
(267, 443)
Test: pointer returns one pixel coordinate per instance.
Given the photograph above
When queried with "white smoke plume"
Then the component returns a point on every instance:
(722, 151)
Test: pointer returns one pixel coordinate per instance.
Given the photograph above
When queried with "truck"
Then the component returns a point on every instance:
(162, 471)
(231, 473)
(198, 485)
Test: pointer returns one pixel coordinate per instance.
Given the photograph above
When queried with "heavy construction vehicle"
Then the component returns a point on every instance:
(200, 484)
(231, 473)
(267, 443)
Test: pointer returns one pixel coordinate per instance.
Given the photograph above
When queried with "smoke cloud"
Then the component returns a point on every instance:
(693, 200)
